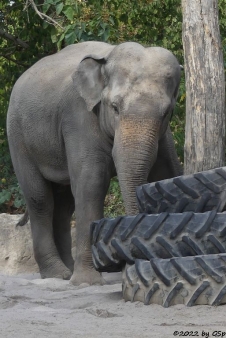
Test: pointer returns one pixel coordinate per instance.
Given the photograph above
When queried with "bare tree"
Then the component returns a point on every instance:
(205, 86)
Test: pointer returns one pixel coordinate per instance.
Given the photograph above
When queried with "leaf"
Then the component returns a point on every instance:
(111, 20)
(183, 97)
(19, 202)
(45, 24)
(62, 37)
(45, 7)
(54, 38)
(52, 2)
(106, 35)
(70, 38)
(5, 196)
(69, 13)
(59, 8)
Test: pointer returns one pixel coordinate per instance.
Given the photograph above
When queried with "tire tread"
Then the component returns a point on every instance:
(124, 239)
(197, 280)
(199, 192)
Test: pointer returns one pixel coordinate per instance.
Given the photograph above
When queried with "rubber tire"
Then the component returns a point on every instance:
(198, 280)
(123, 239)
(200, 192)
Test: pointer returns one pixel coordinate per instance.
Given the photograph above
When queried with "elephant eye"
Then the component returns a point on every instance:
(115, 108)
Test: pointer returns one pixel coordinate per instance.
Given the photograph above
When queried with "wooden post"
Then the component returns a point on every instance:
(205, 86)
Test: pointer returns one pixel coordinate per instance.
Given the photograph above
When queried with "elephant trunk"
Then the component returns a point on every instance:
(135, 150)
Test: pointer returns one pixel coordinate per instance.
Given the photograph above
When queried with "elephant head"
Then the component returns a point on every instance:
(133, 90)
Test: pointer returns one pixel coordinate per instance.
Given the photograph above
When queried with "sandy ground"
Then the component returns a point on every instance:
(32, 307)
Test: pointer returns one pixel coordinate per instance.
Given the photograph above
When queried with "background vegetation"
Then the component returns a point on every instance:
(25, 38)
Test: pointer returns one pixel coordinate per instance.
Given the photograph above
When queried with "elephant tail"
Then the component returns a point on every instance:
(24, 219)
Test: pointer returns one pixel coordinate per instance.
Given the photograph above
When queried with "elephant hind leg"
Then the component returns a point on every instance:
(63, 209)
(38, 194)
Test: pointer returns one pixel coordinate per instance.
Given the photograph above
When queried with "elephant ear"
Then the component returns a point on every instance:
(89, 81)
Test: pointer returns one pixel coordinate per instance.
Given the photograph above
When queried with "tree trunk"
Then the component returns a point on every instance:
(205, 86)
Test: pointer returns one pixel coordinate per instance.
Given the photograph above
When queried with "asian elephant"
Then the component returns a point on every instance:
(75, 119)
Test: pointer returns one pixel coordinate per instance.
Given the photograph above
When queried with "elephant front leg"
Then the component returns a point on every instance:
(90, 193)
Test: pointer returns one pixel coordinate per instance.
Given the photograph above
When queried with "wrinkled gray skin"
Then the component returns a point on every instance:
(75, 119)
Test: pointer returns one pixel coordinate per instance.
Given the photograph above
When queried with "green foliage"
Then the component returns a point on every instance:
(16, 57)
(177, 123)
(113, 205)
(144, 21)
(222, 18)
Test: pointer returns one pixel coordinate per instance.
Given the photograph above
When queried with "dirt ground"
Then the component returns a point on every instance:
(51, 308)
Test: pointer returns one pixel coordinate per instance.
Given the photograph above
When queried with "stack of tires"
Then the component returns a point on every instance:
(174, 250)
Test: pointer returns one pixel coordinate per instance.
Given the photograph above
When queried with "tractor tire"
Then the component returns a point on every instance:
(121, 240)
(200, 192)
(198, 280)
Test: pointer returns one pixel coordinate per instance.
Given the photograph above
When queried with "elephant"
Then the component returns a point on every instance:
(76, 119)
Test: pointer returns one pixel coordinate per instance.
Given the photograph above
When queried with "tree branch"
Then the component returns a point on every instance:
(17, 41)
(42, 15)
(15, 61)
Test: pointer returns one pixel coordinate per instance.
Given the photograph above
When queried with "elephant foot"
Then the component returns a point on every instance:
(56, 271)
(69, 262)
(87, 276)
